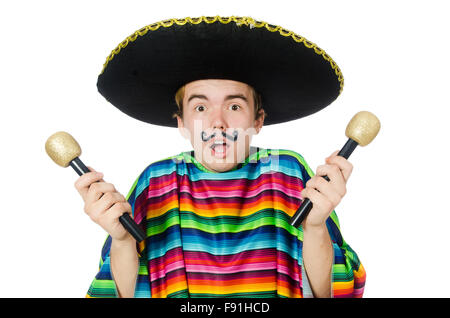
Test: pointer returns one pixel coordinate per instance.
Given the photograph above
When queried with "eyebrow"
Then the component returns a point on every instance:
(228, 97)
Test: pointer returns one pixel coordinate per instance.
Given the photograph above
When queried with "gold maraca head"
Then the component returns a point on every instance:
(62, 148)
(363, 128)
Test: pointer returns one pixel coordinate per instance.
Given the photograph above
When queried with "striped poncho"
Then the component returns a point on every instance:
(226, 234)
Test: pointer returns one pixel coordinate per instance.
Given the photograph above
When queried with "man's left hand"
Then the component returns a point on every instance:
(326, 195)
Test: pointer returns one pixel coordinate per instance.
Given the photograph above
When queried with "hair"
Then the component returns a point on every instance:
(257, 101)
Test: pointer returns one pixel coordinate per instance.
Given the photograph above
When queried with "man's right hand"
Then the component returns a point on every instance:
(103, 204)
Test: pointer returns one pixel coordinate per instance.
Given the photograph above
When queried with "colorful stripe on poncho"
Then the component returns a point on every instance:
(226, 234)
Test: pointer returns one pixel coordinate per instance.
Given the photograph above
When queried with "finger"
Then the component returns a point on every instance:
(91, 169)
(116, 211)
(333, 154)
(337, 180)
(108, 200)
(83, 183)
(98, 208)
(97, 190)
(109, 217)
(318, 200)
(120, 208)
(327, 189)
(344, 165)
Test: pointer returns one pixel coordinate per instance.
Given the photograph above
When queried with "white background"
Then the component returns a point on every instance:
(395, 59)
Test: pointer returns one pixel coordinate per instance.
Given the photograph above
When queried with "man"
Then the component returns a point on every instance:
(217, 217)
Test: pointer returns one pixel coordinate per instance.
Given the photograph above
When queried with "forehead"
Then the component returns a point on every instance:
(217, 86)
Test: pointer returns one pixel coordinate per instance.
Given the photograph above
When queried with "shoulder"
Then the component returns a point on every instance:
(288, 155)
(286, 159)
(155, 170)
(163, 166)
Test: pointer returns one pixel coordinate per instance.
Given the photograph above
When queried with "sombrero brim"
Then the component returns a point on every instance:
(294, 77)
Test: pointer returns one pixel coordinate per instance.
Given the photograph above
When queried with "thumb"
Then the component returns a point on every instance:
(91, 169)
(332, 155)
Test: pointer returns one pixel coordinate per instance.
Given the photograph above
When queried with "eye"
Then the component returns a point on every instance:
(235, 107)
(200, 108)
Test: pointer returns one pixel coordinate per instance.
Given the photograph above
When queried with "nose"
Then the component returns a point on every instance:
(218, 121)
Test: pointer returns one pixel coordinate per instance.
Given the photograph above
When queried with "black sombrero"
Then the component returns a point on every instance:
(294, 77)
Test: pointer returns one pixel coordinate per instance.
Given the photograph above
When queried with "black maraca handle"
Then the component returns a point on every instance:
(125, 219)
(132, 228)
(307, 205)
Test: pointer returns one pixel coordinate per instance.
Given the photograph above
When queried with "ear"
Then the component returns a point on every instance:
(179, 122)
(259, 122)
(183, 131)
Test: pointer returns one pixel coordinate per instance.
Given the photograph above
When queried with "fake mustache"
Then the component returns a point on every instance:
(233, 137)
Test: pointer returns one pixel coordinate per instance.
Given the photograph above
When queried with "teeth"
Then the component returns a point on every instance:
(218, 142)
(219, 149)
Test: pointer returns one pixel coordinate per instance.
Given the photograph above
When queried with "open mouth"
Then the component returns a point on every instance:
(219, 148)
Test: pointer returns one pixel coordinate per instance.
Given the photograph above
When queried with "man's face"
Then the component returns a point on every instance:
(219, 120)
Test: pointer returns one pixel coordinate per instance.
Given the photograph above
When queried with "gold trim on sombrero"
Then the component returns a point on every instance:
(250, 22)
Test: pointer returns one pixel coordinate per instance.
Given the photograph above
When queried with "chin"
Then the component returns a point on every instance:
(222, 167)
(222, 163)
